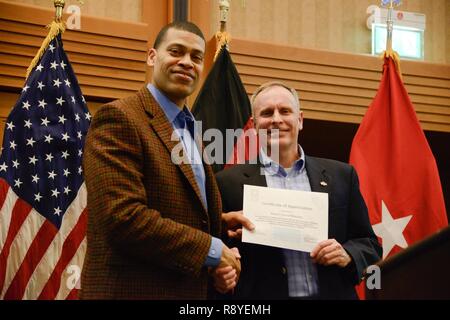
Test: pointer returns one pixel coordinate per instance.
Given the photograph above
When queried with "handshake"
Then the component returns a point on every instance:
(226, 274)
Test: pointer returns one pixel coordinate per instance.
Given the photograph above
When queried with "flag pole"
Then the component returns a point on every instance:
(389, 52)
(56, 27)
(390, 26)
(223, 38)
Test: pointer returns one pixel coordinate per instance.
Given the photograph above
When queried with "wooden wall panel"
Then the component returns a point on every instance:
(126, 10)
(339, 86)
(447, 31)
(108, 65)
(337, 25)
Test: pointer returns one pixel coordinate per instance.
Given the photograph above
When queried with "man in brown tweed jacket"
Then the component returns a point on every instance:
(154, 226)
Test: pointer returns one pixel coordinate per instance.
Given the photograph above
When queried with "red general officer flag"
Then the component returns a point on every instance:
(397, 171)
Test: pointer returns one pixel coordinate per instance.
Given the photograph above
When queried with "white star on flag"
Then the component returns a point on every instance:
(16, 164)
(37, 197)
(45, 121)
(52, 175)
(51, 47)
(77, 117)
(61, 119)
(60, 101)
(56, 83)
(26, 105)
(49, 157)
(55, 193)
(27, 124)
(12, 145)
(3, 167)
(67, 190)
(391, 230)
(35, 178)
(24, 89)
(63, 65)
(57, 211)
(42, 103)
(17, 183)
(65, 136)
(66, 173)
(39, 67)
(65, 154)
(67, 82)
(40, 85)
(10, 125)
(53, 65)
(48, 138)
(33, 160)
(30, 142)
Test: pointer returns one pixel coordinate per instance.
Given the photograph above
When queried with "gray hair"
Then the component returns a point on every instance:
(271, 84)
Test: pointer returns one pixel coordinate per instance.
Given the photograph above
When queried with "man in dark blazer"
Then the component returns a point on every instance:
(336, 265)
(154, 223)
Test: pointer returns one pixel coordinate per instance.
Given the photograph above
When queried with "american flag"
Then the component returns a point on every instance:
(42, 192)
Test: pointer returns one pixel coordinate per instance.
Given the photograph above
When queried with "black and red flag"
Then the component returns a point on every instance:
(222, 104)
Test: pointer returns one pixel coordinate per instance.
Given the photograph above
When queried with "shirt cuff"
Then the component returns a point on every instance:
(214, 254)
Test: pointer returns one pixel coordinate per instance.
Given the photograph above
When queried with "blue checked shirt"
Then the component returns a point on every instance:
(181, 120)
(301, 271)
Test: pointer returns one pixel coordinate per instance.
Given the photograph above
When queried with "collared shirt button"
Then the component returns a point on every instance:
(213, 251)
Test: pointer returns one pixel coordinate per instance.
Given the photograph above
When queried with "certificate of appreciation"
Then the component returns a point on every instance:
(289, 219)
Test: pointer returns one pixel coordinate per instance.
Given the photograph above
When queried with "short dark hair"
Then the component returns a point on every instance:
(179, 25)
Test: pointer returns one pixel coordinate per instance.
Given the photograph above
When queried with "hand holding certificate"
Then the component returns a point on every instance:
(289, 219)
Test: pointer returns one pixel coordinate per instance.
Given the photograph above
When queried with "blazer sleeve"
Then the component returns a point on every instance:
(113, 167)
(362, 243)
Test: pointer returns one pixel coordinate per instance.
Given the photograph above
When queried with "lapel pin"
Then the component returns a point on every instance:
(323, 183)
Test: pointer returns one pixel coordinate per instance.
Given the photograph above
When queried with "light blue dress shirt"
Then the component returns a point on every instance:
(301, 271)
(179, 120)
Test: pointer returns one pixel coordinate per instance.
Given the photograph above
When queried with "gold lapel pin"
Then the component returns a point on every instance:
(323, 183)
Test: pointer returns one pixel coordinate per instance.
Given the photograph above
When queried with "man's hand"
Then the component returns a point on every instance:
(226, 274)
(330, 252)
(235, 220)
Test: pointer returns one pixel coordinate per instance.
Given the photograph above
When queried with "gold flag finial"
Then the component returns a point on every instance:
(59, 5)
(223, 37)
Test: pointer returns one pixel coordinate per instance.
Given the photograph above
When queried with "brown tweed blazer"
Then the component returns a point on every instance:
(148, 231)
